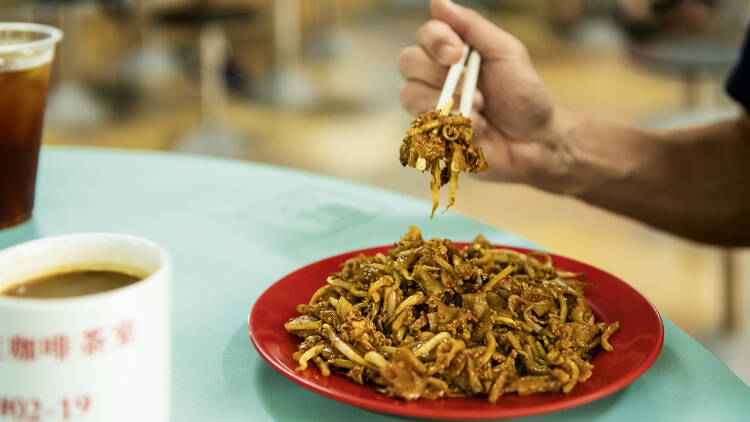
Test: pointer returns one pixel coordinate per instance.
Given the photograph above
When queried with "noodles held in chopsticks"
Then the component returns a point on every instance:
(441, 143)
(429, 321)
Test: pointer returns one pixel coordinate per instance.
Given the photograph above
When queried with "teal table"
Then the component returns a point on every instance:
(233, 228)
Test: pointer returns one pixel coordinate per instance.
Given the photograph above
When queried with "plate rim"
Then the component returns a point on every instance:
(418, 412)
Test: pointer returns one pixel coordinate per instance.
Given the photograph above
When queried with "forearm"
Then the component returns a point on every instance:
(694, 182)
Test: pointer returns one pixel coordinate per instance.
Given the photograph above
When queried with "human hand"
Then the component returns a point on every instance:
(513, 115)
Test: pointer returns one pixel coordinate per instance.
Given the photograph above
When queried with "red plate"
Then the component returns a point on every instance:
(637, 344)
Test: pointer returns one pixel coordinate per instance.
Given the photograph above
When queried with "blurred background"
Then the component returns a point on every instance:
(312, 84)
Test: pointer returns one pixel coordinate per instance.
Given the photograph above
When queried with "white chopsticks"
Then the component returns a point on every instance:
(454, 73)
(470, 81)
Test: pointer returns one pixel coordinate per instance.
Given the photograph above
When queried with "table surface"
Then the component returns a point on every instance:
(233, 228)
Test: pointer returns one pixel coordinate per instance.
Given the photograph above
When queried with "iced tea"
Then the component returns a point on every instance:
(26, 53)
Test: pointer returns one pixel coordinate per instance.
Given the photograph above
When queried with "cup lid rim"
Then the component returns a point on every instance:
(53, 35)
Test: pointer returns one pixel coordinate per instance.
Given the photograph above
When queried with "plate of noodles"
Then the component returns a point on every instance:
(456, 330)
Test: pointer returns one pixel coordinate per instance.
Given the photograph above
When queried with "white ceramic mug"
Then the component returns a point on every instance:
(103, 357)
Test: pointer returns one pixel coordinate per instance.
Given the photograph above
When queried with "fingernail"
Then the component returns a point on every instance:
(447, 54)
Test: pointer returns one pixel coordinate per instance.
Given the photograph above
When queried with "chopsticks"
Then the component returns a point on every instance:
(454, 73)
(470, 81)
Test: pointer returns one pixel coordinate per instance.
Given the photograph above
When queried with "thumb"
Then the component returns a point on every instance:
(490, 41)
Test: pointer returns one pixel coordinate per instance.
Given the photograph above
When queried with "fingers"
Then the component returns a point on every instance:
(414, 63)
(509, 161)
(490, 41)
(440, 42)
(477, 105)
(479, 123)
(418, 97)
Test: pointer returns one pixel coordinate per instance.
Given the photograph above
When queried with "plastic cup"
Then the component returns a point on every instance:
(26, 54)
